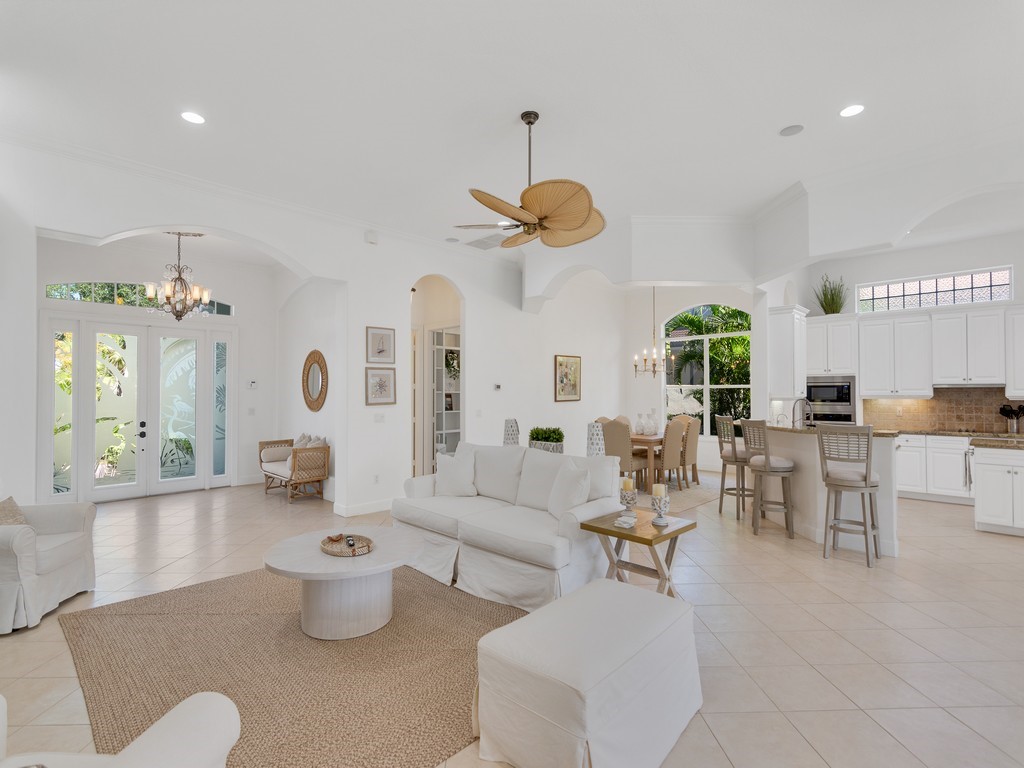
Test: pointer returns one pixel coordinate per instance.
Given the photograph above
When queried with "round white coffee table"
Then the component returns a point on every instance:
(344, 597)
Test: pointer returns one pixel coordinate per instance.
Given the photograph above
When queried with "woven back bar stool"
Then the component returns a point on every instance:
(733, 455)
(846, 468)
(764, 464)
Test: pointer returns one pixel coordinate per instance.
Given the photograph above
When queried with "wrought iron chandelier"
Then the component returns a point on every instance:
(179, 296)
(650, 365)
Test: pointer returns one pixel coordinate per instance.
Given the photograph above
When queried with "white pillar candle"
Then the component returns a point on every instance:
(627, 484)
(659, 489)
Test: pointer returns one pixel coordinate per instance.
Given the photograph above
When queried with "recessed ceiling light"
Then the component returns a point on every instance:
(850, 111)
(451, 239)
(791, 130)
(193, 117)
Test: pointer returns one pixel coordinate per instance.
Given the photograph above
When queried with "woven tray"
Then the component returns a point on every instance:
(341, 548)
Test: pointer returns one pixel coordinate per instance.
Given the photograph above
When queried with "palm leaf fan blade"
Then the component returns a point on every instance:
(498, 205)
(560, 239)
(561, 203)
(518, 239)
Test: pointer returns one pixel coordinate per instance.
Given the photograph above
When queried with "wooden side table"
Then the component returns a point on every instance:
(641, 533)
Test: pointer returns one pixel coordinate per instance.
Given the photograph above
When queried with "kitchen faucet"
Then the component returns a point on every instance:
(792, 417)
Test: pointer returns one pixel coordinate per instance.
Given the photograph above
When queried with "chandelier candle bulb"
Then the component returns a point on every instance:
(150, 291)
(206, 296)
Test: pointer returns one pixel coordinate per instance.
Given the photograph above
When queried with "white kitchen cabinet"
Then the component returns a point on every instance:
(787, 355)
(1014, 346)
(948, 472)
(968, 347)
(999, 499)
(831, 345)
(896, 357)
(911, 464)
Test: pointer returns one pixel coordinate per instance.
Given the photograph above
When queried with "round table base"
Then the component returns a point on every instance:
(339, 609)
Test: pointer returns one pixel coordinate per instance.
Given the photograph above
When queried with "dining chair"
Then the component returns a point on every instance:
(764, 464)
(671, 453)
(735, 455)
(845, 453)
(691, 441)
(617, 443)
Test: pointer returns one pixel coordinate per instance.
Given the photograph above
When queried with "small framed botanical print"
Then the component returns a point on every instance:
(568, 369)
(380, 386)
(380, 345)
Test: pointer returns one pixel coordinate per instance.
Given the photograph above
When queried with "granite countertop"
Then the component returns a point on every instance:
(813, 431)
(987, 442)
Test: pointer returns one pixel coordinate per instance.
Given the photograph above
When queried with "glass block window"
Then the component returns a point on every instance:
(120, 294)
(937, 291)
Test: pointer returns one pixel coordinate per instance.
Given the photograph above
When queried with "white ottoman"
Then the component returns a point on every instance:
(604, 677)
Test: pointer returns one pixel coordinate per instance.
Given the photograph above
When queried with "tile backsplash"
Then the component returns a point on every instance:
(973, 409)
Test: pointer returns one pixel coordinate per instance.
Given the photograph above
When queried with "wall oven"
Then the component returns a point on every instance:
(832, 399)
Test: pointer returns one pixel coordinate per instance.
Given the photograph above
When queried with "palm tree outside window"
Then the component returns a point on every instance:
(711, 344)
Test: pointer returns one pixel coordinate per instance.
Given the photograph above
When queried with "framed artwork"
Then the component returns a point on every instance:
(567, 378)
(380, 345)
(380, 386)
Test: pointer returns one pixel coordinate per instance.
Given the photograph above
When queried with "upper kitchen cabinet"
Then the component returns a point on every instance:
(831, 345)
(1015, 353)
(896, 357)
(787, 361)
(968, 347)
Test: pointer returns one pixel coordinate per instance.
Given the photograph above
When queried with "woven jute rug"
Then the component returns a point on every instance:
(400, 697)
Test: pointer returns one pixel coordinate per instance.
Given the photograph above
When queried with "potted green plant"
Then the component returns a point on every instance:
(831, 295)
(550, 439)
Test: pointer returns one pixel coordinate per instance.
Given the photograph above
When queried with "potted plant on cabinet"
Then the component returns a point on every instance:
(831, 295)
(550, 439)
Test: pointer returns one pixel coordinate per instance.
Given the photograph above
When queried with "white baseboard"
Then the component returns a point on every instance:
(962, 500)
(248, 479)
(365, 508)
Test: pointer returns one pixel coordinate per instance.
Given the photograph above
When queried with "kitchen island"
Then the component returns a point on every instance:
(809, 492)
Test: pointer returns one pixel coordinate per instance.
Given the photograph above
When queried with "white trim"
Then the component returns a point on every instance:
(366, 508)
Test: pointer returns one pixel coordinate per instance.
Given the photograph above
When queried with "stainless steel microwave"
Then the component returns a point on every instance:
(831, 391)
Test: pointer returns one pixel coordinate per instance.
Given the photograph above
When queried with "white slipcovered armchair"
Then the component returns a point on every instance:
(197, 733)
(48, 560)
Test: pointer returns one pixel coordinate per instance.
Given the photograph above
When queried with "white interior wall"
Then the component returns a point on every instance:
(249, 288)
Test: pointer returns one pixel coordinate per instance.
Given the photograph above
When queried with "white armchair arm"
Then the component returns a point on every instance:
(61, 518)
(419, 487)
(198, 733)
(17, 553)
(569, 523)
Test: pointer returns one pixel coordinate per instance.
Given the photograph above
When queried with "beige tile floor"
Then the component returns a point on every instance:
(919, 661)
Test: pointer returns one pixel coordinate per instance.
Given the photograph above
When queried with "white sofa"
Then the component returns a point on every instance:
(48, 560)
(503, 544)
(198, 733)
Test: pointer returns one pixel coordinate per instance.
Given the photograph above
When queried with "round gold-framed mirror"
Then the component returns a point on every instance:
(314, 380)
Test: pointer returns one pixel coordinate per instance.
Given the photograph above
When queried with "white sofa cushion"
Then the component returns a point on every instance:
(604, 475)
(497, 469)
(570, 490)
(454, 475)
(540, 468)
(521, 533)
(54, 550)
(277, 469)
(276, 453)
(441, 514)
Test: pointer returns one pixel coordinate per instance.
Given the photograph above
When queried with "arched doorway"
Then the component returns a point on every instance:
(438, 365)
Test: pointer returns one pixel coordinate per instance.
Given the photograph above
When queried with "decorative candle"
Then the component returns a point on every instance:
(659, 489)
(627, 484)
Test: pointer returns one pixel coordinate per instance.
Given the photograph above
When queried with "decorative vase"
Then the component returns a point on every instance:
(638, 426)
(659, 505)
(595, 439)
(652, 424)
(549, 447)
(628, 500)
(511, 432)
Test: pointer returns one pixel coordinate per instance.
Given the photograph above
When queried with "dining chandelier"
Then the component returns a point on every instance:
(650, 364)
(179, 296)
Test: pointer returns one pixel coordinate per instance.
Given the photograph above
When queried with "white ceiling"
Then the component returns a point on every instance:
(387, 112)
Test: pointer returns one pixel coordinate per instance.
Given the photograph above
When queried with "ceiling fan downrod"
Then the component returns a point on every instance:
(529, 117)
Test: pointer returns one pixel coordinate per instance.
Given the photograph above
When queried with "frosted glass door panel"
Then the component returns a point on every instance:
(63, 443)
(178, 444)
(117, 384)
(220, 407)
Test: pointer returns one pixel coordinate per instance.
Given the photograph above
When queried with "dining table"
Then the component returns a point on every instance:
(653, 444)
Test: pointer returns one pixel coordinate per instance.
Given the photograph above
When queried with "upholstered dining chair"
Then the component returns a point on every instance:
(691, 441)
(671, 453)
(617, 443)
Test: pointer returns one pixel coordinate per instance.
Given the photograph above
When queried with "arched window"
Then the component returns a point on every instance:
(711, 375)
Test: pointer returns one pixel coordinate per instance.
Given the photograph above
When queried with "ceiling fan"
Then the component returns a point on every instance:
(558, 211)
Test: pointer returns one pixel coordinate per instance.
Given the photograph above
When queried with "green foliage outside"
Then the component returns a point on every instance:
(547, 435)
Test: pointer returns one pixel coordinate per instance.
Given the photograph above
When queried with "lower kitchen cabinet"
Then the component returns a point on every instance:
(999, 490)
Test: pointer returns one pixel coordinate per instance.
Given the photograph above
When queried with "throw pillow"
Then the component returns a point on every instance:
(454, 476)
(303, 441)
(571, 488)
(276, 453)
(317, 442)
(10, 513)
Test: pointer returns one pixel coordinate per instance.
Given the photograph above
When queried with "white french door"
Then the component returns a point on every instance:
(136, 410)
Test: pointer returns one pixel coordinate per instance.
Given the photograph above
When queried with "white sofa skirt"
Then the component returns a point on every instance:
(525, 585)
(439, 557)
(24, 603)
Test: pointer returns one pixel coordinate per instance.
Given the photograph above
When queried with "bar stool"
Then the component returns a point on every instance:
(732, 456)
(846, 468)
(763, 464)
